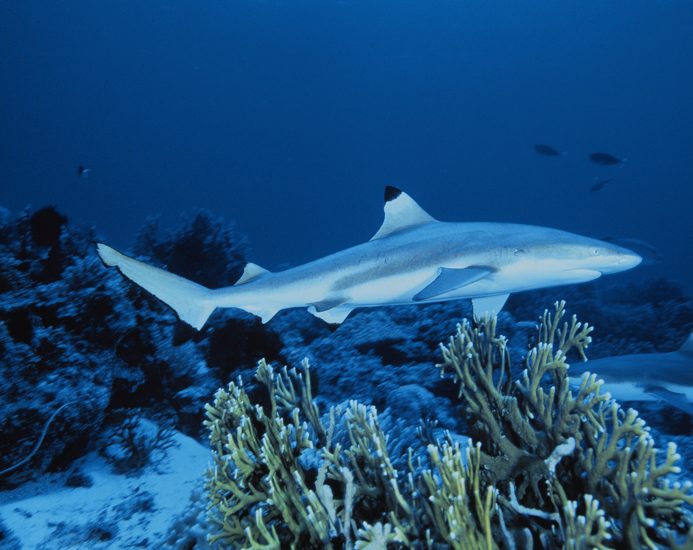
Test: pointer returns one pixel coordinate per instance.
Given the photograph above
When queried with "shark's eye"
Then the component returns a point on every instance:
(595, 252)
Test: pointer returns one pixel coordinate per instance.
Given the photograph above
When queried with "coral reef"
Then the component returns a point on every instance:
(608, 453)
(202, 248)
(77, 336)
(72, 331)
(55, 317)
(627, 314)
(377, 351)
(550, 468)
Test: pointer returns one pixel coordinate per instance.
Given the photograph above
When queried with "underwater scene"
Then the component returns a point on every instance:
(346, 274)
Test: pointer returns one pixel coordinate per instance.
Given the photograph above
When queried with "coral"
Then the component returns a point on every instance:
(79, 479)
(550, 468)
(283, 476)
(627, 313)
(57, 320)
(373, 353)
(71, 330)
(608, 454)
(132, 444)
(189, 528)
(202, 248)
(238, 341)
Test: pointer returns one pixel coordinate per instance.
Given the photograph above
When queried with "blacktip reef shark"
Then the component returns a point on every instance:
(412, 258)
(664, 377)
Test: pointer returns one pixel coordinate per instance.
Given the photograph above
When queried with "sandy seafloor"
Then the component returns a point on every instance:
(117, 511)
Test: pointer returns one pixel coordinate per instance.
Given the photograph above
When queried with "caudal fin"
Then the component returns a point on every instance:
(192, 302)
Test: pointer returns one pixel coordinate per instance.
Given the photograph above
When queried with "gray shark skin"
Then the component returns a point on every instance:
(412, 258)
(664, 377)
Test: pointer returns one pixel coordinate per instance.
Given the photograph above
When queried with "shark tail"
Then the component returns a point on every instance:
(193, 303)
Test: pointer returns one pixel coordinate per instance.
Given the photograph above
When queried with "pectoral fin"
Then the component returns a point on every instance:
(450, 279)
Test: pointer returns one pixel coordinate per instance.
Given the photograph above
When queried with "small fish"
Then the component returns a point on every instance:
(82, 171)
(599, 185)
(547, 150)
(605, 159)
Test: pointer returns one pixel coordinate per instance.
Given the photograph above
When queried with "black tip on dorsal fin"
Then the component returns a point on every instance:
(401, 212)
(391, 193)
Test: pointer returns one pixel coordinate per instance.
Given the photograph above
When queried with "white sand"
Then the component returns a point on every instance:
(117, 511)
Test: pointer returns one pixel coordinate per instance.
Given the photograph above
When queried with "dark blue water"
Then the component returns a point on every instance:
(290, 117)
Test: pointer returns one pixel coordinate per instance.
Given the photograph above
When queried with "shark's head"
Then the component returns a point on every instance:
(563, 258)
(608, 258)
(592, 255)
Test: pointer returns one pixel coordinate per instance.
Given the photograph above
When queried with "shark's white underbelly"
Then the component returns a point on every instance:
(398, 288)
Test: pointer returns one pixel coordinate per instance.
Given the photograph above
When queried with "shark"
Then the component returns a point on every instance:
(664, 377)
(412, 259)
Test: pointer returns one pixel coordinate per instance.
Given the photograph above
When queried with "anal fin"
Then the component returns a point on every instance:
(331, 311)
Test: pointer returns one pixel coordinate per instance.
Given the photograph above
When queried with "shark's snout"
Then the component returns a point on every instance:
(629, 260)
(621, 260)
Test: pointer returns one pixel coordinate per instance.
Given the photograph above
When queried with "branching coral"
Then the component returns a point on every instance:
(552, 467)
(521, 425)
(284, 478)
(132, 444)
(258, 486)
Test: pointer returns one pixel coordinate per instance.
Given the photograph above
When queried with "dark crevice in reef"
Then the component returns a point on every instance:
(46, 225)
(239, 343)
(391, 351)
(20, 326)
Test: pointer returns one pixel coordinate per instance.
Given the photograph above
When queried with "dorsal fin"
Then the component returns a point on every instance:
(401, 212)
(250, 272)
